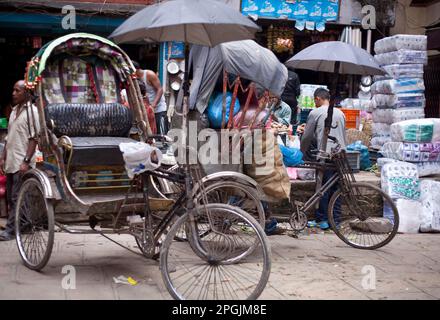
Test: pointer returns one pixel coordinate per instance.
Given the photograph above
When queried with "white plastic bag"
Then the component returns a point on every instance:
(138, 157)
(430, 199)
(410, 217)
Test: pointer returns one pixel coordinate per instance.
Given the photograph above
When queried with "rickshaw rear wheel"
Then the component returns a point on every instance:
(34, 225)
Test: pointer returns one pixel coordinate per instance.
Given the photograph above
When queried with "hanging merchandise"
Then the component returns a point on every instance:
(306, 13)
(280, 39)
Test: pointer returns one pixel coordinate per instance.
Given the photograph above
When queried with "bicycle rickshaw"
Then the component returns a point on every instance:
(360, 214)
(82, 180)
(241, 69)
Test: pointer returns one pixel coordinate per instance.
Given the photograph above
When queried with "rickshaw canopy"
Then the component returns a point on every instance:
(79, 44)
(245, 58)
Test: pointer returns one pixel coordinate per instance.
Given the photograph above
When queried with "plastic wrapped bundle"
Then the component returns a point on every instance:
(391, 116)
(420, 130)
(410, 215)
(423, 168)
(428, 168)
(400, 180)
(402, 56)
(401, 41)
(393, 86)
(381, 130)
(412, 152)
(402, 71)
(401, 100)
(378, 142)
(430, 198)
(383, 161)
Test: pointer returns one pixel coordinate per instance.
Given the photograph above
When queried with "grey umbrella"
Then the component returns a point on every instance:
(203, 22)
(339, 58)
(327, 56)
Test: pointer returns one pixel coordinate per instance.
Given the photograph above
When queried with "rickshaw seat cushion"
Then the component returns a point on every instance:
(89, 120)
(92, 151)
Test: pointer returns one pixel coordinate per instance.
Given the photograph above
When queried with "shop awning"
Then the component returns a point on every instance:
(38, 24)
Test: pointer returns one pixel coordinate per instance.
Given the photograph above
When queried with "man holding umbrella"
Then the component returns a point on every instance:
(313, 134)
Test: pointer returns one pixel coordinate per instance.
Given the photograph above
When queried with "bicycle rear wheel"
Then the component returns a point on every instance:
(366, 218)
(218, 266)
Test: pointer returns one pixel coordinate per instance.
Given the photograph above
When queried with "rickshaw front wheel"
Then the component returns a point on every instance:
(232, 262)
(34, 225)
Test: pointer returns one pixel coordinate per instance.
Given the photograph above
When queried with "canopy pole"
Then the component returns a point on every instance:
(225, 90)
(327, 128)
(233, 100)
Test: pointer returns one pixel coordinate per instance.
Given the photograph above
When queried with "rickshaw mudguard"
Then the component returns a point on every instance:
(47, 187)
(230, 175)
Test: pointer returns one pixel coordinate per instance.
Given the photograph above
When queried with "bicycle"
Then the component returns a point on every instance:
(360, 214)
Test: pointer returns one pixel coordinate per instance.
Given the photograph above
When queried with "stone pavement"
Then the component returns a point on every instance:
(315, 266)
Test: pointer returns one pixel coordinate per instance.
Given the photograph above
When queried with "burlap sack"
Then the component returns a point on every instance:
(270, 174)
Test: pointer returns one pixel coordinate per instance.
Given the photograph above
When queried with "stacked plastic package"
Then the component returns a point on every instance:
(414, 153)
(417, 142)
(399, 95)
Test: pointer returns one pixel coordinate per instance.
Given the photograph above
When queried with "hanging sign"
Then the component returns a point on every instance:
(307, 12)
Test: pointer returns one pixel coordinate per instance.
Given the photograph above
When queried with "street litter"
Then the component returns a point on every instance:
(125, 280)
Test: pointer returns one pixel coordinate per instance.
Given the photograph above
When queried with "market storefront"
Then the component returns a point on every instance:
(22, 34)
(289, 26)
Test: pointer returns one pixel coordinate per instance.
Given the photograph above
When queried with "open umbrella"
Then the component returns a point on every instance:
(203, 22)
(339, 58)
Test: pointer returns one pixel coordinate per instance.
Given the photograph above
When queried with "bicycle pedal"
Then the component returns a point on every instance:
(298, 203)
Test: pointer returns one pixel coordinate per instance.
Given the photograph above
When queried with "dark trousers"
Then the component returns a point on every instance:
(13, 184)
(293, 104)
(161, 122)
(322, 213)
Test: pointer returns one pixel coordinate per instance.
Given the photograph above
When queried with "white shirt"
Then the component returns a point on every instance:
(20, 130)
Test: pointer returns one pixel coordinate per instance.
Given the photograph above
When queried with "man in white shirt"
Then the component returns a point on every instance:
(19, 152)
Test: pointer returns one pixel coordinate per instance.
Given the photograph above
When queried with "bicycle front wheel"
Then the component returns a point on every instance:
(208, 268)
(365, 217)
